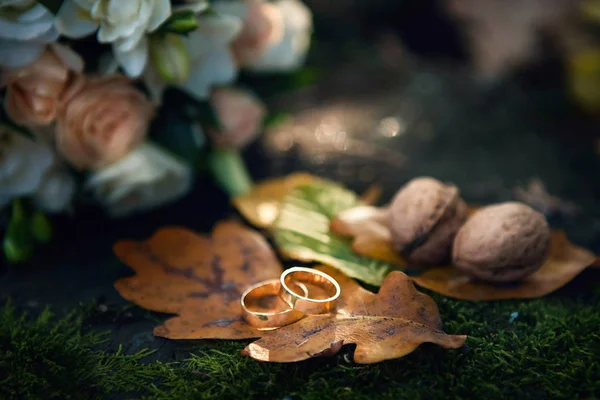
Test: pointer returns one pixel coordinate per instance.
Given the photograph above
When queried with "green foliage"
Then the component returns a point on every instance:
(549, 351)
(181, 22)
(302, 229)
(18, 242)
(26, 229)
(40, 227)
(229, 171)
(177, 129)
(45, 359)
(266, 85)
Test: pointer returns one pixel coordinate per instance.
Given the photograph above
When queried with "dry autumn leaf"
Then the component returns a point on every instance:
(199, 278)
(261, 205)
(564, 263)
(384, 326)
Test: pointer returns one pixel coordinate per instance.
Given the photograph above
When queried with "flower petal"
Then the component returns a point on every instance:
(24, 31)
(290, 52)
(72, 21)
(144, 179)
(213, 32)
(127, 43)
(297, 15)
(160, 12)
(37, 12)
(216, 68)
(85, 4)
(233, 8)
(15, 54)
(68, 57)
(155, 84)
(133, 61)
(56, 190)
(50, 36)
(18, 3)
(23, 164)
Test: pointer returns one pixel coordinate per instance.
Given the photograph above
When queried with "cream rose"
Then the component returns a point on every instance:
(263, 26)
(33, 92)
(289, 52)
(146, 178)
(124, 23)
(26, 27)
(101, 120)
(240, 115)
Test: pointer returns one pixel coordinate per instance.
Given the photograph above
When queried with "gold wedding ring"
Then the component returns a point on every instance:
(290, 280)
(272, 317)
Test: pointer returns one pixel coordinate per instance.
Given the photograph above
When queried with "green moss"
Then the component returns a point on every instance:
(549, 351)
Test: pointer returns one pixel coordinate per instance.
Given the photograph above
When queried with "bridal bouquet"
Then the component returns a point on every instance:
(120, 103)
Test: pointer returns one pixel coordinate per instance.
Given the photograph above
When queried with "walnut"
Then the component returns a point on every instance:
(502, 243)
(425, 215)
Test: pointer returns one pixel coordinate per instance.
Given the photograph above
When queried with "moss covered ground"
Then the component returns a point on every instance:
(546, 348)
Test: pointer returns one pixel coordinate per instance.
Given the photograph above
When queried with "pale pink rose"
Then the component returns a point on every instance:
(240, 115)
(101, 120)
(33, 92)
(263, 26)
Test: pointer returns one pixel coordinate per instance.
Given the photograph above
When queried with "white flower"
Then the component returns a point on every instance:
(211, 60)
(56, 189)
(26, 27)
(146, 178)
(263, 27)
(124, 23)
(23, 164)
(290, 52)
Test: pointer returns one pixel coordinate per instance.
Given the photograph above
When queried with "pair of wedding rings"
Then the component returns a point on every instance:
(292, 298)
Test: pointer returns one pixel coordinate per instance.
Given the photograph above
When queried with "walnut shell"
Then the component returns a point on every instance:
(502, 243)
(425, 215)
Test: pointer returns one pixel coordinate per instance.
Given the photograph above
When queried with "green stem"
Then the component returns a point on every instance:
(229, 170)
(17, 243)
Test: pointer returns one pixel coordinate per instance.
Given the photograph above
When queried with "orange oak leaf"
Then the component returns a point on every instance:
(260, 206)
(386, 325)
(565, 261)
(200, 278)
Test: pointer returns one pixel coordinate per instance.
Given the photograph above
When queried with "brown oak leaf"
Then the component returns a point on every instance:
(386, 325)
(199, 278)
(564, 262)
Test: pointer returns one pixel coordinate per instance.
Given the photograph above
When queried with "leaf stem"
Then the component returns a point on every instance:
(229, 170)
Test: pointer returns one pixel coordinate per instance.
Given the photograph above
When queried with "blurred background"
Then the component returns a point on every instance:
(500, 97)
